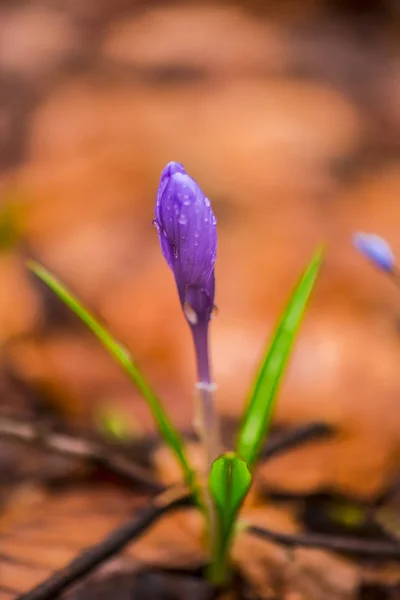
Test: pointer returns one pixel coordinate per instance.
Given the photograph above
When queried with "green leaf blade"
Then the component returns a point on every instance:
(167, 430)
(229, 482)
(258, 413)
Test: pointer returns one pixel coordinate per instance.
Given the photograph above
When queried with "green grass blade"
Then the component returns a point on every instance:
(121, 355)
(229, 482)
(259, 409)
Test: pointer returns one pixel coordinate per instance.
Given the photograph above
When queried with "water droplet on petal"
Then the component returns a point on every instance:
(175, 250)
(206, 219)
(214, 220)
(154, 223)
(190, 313)
(207, 202)
(186, 200)
(182, 219)
(196, 243)
(196, 234)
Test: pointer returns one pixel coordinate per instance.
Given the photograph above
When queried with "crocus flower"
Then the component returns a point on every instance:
(188, 237)
(375, 249)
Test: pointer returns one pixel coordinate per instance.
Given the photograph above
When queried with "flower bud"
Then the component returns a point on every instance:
(188, 236)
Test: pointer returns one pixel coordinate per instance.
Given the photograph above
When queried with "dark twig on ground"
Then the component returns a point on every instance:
(366, 548)
(94, 556)
(79, 447)
(287, 440)
(112, 459)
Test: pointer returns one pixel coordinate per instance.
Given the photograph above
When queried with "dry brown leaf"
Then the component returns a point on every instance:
(317, 574)
(34, 40)
(19, 304)
(198, 37)
(42, 535)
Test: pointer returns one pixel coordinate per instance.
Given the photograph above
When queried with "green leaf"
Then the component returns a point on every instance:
(121, 355)
(229, 482)
(259, 409)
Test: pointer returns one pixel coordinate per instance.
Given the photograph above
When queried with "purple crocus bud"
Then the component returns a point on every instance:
(376, 249)
(188, 236)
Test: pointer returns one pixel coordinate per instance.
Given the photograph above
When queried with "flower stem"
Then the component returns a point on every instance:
(207, 425)
(208, 419)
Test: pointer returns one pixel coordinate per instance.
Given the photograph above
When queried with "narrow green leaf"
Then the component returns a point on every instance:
(121, 355)
(258, 413)
(229, 482)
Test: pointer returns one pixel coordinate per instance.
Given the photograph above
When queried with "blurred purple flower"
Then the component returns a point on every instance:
(376, 249)
(188, 236)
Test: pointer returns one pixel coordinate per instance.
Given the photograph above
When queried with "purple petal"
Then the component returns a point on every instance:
(188, 236)
(167, 200)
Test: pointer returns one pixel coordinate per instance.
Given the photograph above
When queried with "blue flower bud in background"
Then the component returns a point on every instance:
(376, 249)
(188, 236)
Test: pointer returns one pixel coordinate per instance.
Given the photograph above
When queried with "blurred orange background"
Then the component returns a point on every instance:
(288, 116)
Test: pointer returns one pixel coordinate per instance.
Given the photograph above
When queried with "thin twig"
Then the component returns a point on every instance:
(77, 447)
(371, 548)
(94, 556)
(293, 438)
